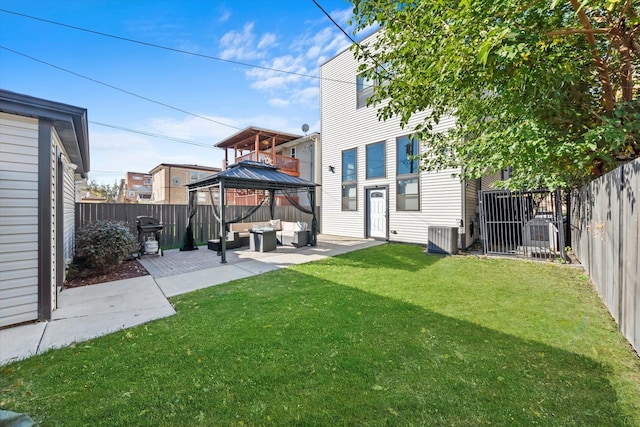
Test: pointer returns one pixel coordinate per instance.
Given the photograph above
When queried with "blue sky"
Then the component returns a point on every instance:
(291, 35)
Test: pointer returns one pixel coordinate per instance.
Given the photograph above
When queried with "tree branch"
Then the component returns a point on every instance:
(601, 66)
(579, 31)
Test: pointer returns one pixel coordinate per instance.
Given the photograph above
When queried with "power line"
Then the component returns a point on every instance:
(346, 34)
(186, 52)
(334, 22)
(155, 135)
(119, 89)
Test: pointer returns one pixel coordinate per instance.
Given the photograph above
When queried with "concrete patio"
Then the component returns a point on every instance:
(92, 311)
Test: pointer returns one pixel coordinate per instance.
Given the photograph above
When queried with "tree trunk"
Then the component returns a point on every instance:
(601, 66)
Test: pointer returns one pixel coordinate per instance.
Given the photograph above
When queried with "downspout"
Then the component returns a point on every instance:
(463, 236)
(313, 160)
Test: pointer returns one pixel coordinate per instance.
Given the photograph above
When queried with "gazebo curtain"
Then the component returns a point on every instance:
(216, 212)
(188, 242)
(295, 203)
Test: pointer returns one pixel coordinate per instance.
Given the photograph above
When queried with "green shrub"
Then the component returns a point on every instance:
(103, 245)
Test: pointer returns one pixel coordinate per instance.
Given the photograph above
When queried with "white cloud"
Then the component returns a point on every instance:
(243, 46)
(267, 40)
(342, 17)
(279, 102)
(298, 56)
(224, 15)
(270, 79)
(113, 154)
(308, 96)
(324, 43)
(193, 128)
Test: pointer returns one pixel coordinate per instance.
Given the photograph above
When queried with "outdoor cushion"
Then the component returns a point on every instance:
(276, 224)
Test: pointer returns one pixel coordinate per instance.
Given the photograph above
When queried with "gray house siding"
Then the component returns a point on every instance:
(18, 219)
(44, 147)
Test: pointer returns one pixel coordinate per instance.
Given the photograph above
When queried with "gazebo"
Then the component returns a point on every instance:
(249, 175)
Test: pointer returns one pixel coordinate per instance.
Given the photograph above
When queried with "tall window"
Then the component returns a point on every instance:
(349, 180)
(364, 90)
(407, 150)
(407, 180)
(376, 165)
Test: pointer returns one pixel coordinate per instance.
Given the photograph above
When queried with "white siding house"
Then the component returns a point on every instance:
(369, 187)
(44, 148)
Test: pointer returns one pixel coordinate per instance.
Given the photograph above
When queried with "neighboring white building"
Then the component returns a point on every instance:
(44, 153)
(369, 187)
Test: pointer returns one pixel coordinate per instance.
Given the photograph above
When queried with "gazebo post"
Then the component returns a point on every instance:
(223, 225)
(314, 220)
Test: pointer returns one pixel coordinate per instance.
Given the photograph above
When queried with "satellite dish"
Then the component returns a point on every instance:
(305, 128)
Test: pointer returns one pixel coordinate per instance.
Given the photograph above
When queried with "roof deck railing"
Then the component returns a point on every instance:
(288, 165)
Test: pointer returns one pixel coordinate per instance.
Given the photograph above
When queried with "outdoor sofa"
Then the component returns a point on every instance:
(287, 233)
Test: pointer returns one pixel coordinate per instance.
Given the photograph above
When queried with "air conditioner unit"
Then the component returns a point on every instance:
(443, 240)
(540, 235)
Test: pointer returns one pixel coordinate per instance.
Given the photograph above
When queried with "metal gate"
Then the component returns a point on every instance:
(523, 224)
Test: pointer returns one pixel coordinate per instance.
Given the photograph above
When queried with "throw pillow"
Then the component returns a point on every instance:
(276, 224)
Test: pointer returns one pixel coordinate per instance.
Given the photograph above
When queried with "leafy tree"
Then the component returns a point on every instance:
(546, 88)
(111, 192)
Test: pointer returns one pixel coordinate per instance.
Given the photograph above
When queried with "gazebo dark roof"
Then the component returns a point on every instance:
(253, 175)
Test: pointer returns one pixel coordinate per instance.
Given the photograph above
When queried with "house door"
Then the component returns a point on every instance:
(377, 213)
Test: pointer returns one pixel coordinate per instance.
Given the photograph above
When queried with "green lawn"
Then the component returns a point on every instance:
(383, 336)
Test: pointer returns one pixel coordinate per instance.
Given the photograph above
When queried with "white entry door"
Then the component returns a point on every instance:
(377, 203)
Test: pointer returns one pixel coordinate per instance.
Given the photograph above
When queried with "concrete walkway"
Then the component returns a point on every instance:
(92, 311)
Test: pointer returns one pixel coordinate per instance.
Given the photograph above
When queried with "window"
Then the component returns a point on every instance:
(293, 152)
(349, 197)
(349, 165)
(376, 160)
(408, 195)
(407, 148)
(366, 85)
(197, 175)
(349, 178)
(364, 90)
(137, 177)
(202, 197)
(407, 181)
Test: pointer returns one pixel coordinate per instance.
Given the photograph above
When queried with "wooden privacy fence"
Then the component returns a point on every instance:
(605, 216)
(174, 218)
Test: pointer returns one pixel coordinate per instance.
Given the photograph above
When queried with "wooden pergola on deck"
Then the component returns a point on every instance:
(259, 145)
(252, 176)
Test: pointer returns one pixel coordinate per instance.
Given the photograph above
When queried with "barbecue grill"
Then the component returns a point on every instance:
(148, 235)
